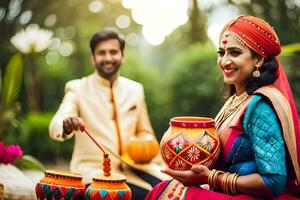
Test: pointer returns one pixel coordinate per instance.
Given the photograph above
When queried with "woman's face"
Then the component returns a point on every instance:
(235, 61)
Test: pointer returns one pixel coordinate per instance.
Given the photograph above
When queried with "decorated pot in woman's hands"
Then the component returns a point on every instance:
(190, 141)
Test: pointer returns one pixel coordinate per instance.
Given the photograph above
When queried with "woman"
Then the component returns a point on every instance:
(258, 125)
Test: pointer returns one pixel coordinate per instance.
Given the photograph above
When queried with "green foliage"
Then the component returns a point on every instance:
(153, 84)
(54, 79)
(291, 49)
(35, 140)
(290, 62)
(12, 81)
(29, 162)
(193, 83)
(9, 92)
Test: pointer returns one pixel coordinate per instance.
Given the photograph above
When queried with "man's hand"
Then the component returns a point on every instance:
(71, 124)
(197, 175)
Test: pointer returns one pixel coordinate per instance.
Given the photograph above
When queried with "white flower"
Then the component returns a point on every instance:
(207, 143)
(180, 165)
(32, 39)
(193, 154)
(178, 143)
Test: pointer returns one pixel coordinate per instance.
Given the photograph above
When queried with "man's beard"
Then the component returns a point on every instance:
(107, 74)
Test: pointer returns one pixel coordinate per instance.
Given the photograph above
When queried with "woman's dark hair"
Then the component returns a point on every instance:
(106, 34)
(267, 76)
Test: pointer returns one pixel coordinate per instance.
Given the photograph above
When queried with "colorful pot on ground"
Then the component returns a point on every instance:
(112, 187)
(60, 185)
(190, 141)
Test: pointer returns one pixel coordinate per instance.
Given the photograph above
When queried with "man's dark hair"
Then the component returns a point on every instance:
(106, 34)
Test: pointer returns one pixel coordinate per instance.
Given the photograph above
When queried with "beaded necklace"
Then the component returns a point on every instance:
(233, 106)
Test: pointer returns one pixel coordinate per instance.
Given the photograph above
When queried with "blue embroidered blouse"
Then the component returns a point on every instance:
(260, 148)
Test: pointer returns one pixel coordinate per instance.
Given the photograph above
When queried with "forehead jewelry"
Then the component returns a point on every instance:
(225, 40)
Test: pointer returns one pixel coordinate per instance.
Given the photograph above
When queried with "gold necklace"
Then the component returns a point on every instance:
(233, 106)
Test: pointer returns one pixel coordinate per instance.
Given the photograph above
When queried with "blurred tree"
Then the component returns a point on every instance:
(154, 86)
(193, 84)
(197, 23)
(194, 31)
(290, 57)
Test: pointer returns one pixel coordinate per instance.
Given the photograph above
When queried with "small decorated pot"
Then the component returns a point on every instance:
(108, 186)
(190, 141)
(112, 187)
(142, 149)
(60, 185)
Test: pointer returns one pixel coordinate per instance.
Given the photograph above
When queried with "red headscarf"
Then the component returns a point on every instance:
(260, 37)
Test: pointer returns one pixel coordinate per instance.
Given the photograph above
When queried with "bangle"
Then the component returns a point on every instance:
(215, 178)
(210, 177)
(224, 183)
(230, 182)
(234, 191)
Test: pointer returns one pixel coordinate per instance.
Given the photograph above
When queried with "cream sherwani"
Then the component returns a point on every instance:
(90, 99)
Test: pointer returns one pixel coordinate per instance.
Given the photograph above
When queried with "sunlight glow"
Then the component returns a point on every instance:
(123, 21)
(66, 48)
(132, 39)
(95, 6)
(25, 17)
(50, 20)
(158, 18)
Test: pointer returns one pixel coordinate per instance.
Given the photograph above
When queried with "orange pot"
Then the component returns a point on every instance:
(60, 185)
(190, 141)
(142, 149)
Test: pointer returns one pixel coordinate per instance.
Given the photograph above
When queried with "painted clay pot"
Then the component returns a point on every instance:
(112, 187)
(142, 149)
(60, 185)
(190, 141)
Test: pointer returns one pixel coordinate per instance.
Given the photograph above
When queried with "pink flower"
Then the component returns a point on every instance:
(9, 153)
(14, 150)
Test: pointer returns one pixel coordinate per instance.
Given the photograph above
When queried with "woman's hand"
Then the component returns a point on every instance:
(197, 175)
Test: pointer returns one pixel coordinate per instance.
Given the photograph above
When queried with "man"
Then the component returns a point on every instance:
(112, 108)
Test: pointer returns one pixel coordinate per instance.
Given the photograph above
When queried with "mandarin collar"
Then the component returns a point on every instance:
(102, 81)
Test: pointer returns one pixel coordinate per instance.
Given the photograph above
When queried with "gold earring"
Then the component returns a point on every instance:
(256, 73)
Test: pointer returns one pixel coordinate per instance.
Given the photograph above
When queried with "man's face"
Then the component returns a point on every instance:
(108, 58)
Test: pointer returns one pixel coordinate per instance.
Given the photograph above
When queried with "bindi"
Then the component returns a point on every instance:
(225, 38)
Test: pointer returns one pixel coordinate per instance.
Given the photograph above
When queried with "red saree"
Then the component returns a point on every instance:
(169, 190)
(174, 190)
